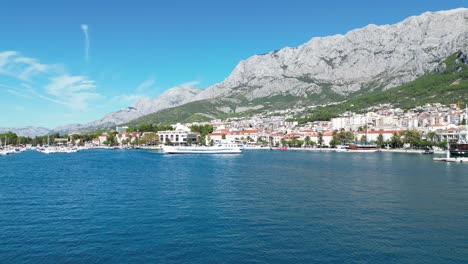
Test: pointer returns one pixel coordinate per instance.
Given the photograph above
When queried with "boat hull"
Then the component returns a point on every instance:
(362, 148)
(201, 150)
(459, 154)
(459, 150)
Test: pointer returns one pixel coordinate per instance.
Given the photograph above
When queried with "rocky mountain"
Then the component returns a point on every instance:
(373, 57)
(27, 131)
(143, 106)
(325, 69)
(170, 98)
(335, 68)
(108, 121)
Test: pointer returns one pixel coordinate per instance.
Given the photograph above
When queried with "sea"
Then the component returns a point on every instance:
(261, 206)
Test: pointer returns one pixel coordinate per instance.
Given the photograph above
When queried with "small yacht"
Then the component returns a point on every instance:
(341, 148)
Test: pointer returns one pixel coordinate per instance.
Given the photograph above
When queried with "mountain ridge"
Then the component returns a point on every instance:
(373, 58)
(322, 70)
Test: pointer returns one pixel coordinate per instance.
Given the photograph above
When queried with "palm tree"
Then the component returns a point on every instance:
(307, 141)
(283, 142)
(363, 139)
(380, 140)
(395, 140)
(320, 139)
(431, 135)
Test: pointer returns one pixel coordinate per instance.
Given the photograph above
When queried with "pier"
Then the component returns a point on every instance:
(458, 160)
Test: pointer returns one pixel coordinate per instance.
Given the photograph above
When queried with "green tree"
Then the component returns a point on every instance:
(9, 138)
(150, 138)
(111, 139)
(431, 135)
(463, 122)
(380, 140)
(335, 139)
(319, 114)
(345, 136)
(363, 139)
(299, 143)
(144, 127)
(395, 140)
(293, 142)
(412, 137)
(283, 142)
(204, 130)
(443, 144)
(307, 141)
(320, 139)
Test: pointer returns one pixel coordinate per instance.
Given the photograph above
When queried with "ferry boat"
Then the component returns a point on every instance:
(226, 148)
(54, 150)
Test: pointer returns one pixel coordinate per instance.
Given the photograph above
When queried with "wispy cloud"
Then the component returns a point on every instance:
(145, 85)
(51, 82)
(74, 91)
(4, 57)
(191, 84)
(84, 27)
(13, 64)
(19, 93)
(16, 92)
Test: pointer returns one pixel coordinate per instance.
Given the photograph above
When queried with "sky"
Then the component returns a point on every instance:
(66, 62)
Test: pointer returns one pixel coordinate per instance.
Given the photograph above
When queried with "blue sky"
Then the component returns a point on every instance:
(50, 76)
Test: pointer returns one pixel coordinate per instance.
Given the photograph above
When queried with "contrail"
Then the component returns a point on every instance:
(84, 27)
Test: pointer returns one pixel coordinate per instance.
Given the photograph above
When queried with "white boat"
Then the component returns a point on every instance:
(341, 148)
(216, 149)
(53, 150)
(362, 148)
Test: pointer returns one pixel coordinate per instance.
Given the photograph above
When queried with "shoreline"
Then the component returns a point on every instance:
(411, 151)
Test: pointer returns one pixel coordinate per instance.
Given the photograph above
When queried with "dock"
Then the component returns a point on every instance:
(457, 160)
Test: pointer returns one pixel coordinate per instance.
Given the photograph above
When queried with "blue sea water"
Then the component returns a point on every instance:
(113, 206)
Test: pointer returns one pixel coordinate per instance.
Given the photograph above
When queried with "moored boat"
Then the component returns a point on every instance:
(428, 151)
(341, 148)
(459, 149)
(216, 149)
(54, 150)
(363, 148)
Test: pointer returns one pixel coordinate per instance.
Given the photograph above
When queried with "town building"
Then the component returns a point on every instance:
(180, 135)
